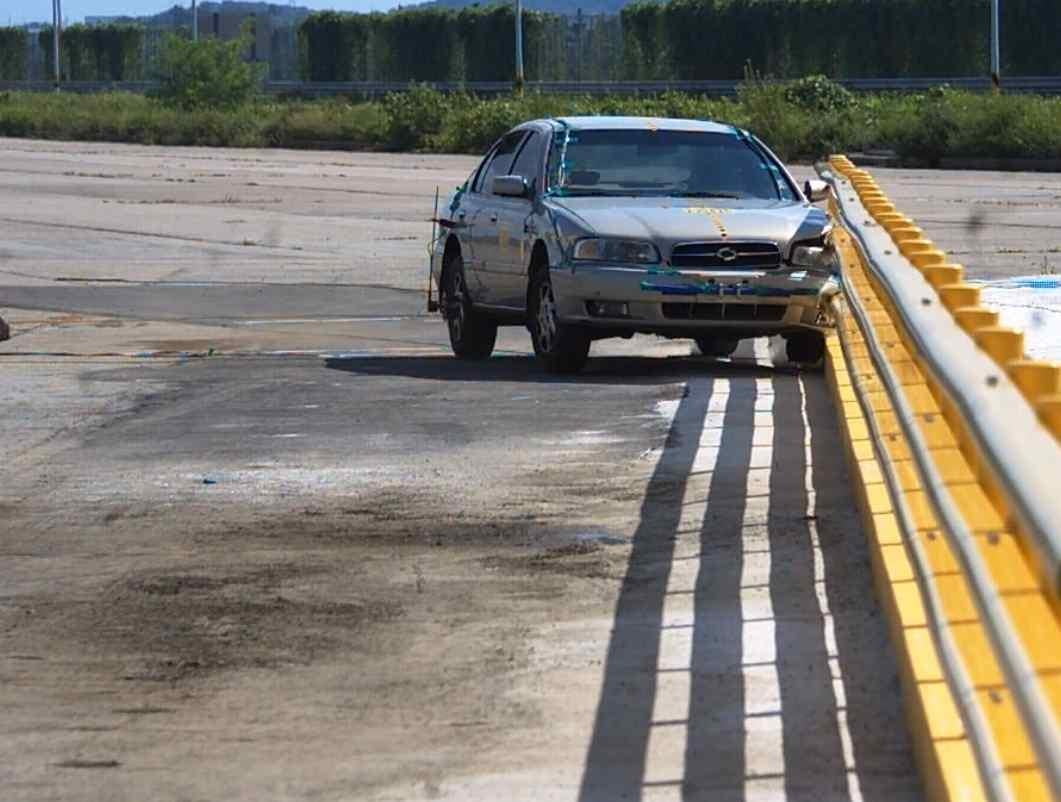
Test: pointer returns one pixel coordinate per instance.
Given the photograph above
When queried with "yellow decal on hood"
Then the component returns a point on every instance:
(714, 214)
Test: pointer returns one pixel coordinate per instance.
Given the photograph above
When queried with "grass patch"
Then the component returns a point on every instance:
(800, 120)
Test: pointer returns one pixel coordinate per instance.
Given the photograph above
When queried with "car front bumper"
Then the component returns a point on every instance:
(664, 300)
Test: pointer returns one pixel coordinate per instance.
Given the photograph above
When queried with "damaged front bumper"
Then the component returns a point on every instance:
(664, 300)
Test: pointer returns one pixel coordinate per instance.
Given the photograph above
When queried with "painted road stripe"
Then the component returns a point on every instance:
(695, 569)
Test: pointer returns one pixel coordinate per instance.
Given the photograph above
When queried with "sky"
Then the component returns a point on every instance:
(19, 12)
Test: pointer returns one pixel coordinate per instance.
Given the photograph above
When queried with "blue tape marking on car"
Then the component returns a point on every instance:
(670, 289)
(457, 196)
(662, 271)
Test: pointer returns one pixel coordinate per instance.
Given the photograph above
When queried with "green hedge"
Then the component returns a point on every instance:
(13, 49)
(426, 44)
(805, 120)
(715, 39)
(96, 53)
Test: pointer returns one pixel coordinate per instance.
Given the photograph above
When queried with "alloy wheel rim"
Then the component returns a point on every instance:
(456, 306)
(546, 318)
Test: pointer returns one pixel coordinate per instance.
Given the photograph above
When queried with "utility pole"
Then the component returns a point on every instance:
(996, 69)
(519, 46)
(57, 32)
(195, 23)
(578, 45)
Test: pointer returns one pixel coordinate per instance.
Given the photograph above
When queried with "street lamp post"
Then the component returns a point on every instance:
(57, 32)
(519, 45)
(996, 69)
(195, 23)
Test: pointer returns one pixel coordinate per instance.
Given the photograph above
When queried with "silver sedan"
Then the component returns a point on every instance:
(582, 228)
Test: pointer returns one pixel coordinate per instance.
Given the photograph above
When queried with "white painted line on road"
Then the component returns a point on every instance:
(764, 755)
(854, 789)
(665, 752)
(764, 747)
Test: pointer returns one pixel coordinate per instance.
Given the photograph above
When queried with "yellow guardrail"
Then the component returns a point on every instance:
(964, 549)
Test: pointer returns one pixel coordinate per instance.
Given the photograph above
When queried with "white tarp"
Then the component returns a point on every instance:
(1032, 304)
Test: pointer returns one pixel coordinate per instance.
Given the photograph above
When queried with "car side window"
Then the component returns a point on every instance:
(500, 161)
(528, 161)
(477, 176)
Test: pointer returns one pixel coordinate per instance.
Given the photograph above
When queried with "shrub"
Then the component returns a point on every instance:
(319, 123)
(209, 73)
(414, 116)
(922, 128)
(818, 93)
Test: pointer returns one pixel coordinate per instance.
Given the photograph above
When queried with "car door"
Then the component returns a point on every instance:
(467, 217)
(512, 215)
(489, 284)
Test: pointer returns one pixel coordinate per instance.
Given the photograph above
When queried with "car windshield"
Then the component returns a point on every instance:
(649, 162)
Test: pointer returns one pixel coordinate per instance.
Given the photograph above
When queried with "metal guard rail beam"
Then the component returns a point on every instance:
(998, 414)
(1047, 85)
(1004, 424)
(957, 677)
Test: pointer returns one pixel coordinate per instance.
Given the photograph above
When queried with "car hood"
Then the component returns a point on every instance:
(667, 221)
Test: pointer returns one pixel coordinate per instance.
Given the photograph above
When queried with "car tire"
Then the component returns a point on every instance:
(560, 347)
(717, 347)
(805, 347)
(471, 333)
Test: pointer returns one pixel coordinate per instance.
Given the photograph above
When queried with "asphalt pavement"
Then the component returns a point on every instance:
(264, 538)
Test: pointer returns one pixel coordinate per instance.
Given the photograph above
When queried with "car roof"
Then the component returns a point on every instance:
(601, 122)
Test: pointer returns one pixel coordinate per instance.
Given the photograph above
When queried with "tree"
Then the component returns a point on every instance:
(209, 73)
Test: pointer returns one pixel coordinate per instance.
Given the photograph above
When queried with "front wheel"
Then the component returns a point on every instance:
(471, 334)
(560, 347)
(805, 347)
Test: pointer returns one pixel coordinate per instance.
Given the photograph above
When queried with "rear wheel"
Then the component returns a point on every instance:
(560, 347)
(717, 347)
(471, 334)
(805, 347)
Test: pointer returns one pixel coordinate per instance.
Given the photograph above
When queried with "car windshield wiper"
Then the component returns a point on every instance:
(708, 195)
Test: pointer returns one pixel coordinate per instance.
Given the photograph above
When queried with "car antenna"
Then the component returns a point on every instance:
(432, 305)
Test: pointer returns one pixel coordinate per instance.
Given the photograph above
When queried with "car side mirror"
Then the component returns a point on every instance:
(511, 186)
(816, 190)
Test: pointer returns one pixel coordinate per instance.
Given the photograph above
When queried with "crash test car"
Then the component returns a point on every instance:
(582, 228)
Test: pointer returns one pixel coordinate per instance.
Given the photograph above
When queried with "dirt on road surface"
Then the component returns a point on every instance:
(271, 544)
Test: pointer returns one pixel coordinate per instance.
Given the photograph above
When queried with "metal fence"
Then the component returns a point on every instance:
(1044, 85)
(275, 47)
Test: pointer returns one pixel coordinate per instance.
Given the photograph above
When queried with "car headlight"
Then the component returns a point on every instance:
(615, 250)
(810, 252)
(807, 255)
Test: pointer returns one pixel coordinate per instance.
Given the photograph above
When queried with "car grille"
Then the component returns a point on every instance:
(766, 313)
(727, 255)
